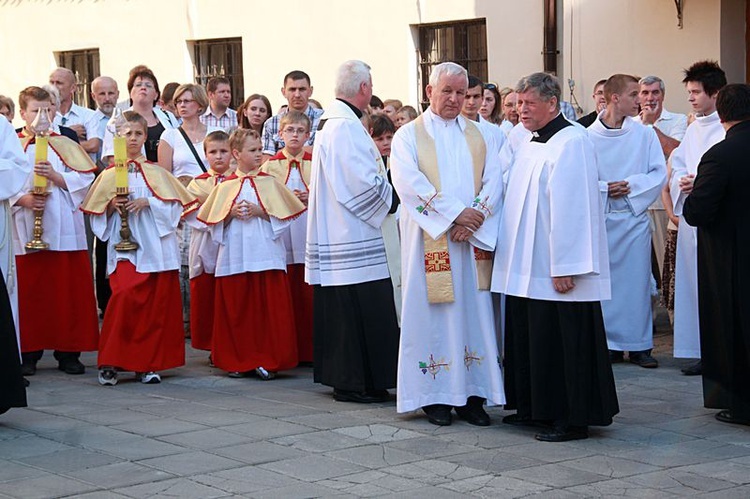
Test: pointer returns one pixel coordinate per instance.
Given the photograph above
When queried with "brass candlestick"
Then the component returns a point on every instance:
(125, 244)
(41, 127)
(36, 242)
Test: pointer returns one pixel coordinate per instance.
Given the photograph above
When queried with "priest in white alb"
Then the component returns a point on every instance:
(14, 169)
(703, 81)
(632, 173)
(450, 187)
(551, 263)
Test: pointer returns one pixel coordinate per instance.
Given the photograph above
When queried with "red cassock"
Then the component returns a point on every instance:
(254, 322)
(302, 301)
(142, 329)
(202, 291)
(56, 302)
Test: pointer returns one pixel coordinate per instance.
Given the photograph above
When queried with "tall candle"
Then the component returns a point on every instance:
(121, 169)
(40, 154)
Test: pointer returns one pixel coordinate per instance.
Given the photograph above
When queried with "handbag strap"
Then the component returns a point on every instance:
(192, 149)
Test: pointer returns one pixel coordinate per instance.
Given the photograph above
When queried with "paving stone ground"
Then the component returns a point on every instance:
(201, 434)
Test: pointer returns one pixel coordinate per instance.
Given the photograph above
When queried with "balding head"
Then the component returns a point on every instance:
(65, 81)
(104, 92)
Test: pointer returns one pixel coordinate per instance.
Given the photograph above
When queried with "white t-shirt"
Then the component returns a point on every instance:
(183, 160)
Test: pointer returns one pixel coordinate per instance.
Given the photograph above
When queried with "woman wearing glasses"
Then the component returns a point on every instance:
(144, 95)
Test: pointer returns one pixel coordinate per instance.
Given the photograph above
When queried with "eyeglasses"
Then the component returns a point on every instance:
(143, 84)
(295, 131)
(490, 86)
(183, 101)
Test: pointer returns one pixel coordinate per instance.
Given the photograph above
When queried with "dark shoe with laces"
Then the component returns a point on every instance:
(71, 366)
(357, 397)
(563, 434)
(643, 359)
(28, 368)
(694, 370)
(438, 414)
(473, 412)
(726, 416)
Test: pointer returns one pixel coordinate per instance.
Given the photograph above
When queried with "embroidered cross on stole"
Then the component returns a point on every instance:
(437, 261)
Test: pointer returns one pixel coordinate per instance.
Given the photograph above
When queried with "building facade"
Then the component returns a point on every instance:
(256, 42)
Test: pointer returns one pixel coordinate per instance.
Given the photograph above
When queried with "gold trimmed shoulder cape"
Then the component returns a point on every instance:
(280, 167)
(274, 198)
(71, 154)
(162, 184)
(202, 185)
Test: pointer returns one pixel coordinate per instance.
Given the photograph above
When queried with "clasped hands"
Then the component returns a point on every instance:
(465, 224)
(618, 188)
(245, 210)
(686, 183)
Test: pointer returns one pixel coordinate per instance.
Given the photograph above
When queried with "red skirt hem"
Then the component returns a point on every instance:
(254, 322)
(56, 302)
(143, 329)
(202, 290)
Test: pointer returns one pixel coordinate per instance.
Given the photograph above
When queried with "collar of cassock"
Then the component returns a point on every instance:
(550, 129)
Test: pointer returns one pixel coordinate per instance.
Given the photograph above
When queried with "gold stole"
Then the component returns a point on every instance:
(274, 198)
(437, 262)
(71, 154)
(202, 185)
(160, 182)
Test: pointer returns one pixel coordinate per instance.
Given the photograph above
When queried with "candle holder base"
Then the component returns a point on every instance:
(37, 245)
(126, 246)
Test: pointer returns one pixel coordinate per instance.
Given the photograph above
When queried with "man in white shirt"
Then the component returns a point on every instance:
(104, 91)
(670, 129)
(218, 114)
(74, 116)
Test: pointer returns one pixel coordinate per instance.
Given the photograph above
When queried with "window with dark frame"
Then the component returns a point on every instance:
(462, 42)
(85, 65)
(220, 57)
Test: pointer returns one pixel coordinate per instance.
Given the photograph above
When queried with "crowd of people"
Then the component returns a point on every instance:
(491, 250)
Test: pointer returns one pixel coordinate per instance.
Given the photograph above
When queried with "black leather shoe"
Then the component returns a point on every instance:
(26, 383)
(71, 366)
(358, 397)
(694, 370)
(563, 434)
(726, 417)
(473, 412)
(518, 420)
(643, 359)
(438, 414)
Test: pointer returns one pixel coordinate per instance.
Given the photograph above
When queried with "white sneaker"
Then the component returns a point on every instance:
(264, 374)
(149, 378)
(107, 377)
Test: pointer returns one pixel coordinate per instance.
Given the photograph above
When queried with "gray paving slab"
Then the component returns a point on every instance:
(202, 434)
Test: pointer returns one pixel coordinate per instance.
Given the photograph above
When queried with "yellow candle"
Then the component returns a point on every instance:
(40, 154)
(121, 170)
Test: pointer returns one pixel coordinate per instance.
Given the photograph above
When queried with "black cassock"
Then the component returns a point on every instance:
(718, 207)
(12, 390)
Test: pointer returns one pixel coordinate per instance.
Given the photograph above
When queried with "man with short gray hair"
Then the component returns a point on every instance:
(552, 265)
(355, 330)
(448, 177)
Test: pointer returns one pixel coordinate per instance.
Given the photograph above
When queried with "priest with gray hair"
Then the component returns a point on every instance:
(552, 265)
(447, 174)
(355, 330)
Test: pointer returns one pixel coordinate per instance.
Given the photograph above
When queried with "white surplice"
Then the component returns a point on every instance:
(349, 199)
(14, 170)
(552, 223)
(631, 153)
(153, 228)
(448, 351)
(62, 220)
(252, 245)
(701, 135)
